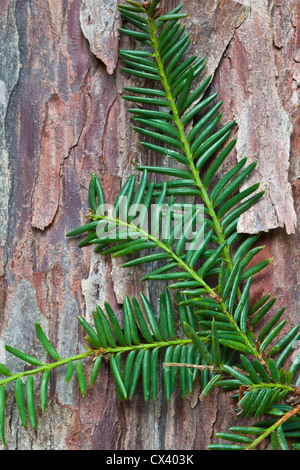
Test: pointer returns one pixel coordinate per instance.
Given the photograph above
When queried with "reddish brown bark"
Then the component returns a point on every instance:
(61, 118)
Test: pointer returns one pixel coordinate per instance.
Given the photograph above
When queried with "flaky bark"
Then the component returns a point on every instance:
(61, 118)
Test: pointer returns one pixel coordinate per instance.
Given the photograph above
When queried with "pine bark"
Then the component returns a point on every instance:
(62, 118)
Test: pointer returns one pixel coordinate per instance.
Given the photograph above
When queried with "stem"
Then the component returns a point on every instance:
(196, 177)
(273, 428)
(44, 367)
(272, 385)
(136, 347)
(94, 352)
(164, 247)
(188, 269)
(189, 366)
(186, 145)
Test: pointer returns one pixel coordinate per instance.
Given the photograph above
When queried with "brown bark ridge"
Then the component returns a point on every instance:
(61, 118)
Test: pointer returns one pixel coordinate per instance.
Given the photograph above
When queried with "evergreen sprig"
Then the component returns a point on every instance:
(221, 336)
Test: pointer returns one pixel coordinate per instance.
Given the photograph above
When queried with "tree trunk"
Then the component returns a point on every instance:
(61, 118)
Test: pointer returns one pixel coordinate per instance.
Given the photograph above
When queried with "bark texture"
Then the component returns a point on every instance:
(61, 118)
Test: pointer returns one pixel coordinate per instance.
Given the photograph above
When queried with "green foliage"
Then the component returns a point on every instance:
(209, 328)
